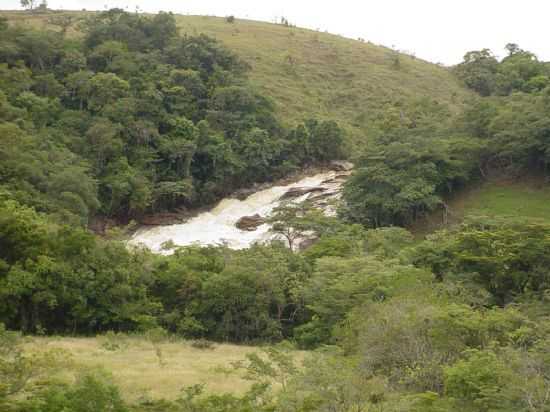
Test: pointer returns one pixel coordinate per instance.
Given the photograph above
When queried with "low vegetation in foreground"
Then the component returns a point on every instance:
(455, 322)
(130, 117)
(151, 365)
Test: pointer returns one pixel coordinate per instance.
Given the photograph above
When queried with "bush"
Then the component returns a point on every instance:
(202, 344)
(112, 341)
(92, 392)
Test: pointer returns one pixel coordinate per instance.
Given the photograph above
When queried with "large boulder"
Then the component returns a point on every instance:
(295, 192)
(339, 179)
(325, 195)
(341, 165)
(244, 192)
(250, 223)
(161, 219)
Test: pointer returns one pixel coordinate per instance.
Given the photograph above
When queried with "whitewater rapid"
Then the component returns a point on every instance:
(217, 226)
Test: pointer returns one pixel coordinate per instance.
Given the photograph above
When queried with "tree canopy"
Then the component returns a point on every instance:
(143, 119)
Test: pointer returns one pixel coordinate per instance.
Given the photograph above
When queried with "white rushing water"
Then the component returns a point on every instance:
(217, 226)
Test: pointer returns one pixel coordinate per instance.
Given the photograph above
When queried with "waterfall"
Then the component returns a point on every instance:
(217, 226)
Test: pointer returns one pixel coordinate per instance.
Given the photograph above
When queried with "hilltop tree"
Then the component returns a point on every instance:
(520, 70)
(28, 4)
(478, 71)
(512, 48)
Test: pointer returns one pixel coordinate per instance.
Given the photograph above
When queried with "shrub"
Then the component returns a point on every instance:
(202, 344)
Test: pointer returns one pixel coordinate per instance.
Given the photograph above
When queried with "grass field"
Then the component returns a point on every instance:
(309, 73)
(518, 199)
(527, 198)
(157, 371)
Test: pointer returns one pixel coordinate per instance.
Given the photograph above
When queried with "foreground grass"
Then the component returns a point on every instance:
(310, 73)
(143, 369)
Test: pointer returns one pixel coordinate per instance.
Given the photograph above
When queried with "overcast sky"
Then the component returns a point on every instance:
(436, 30)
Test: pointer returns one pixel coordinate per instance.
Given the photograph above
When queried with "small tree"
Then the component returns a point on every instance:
(275, 364)
(63, 21)
(291, 63)
(43, 6)
(3, 23)
(512, 48)
(287, 221)
(20, 372)
(230, 19)
(395, 59)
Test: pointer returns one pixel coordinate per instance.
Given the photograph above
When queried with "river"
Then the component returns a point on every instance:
(217, 226)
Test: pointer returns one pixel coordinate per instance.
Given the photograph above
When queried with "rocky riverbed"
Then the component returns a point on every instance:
(240, 221)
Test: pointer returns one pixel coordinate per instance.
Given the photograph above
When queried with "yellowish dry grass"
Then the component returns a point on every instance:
(138, 371)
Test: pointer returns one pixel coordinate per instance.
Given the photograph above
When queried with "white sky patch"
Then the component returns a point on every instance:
(441, 31)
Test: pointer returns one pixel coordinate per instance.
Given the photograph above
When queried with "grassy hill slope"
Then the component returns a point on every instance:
(527, 198)
(309, 73)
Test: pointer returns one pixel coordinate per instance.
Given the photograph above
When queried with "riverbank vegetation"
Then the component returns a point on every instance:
(418, 161)
(132, 117)
(453, 322)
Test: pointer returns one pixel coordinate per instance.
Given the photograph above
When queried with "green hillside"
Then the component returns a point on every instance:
(135, 118)
(310, 73)
(331, 76)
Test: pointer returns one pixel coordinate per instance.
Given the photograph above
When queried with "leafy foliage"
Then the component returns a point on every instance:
(407, 170)
(507, 259)
(134, 118)
(519, 71)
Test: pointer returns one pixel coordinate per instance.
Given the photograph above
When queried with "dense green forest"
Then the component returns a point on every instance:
(132, 118)
(417, 160)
